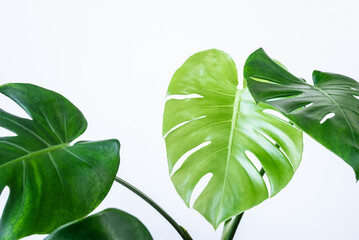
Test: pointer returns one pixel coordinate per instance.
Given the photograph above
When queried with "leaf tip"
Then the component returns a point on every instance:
(260, 49)
(216, 225)
(116, 143)
(316, 76)
(5, 86)
(254, 55)
(258, 52)
(356, 175)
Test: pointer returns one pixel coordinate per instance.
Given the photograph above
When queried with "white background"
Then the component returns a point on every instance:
(114, 60)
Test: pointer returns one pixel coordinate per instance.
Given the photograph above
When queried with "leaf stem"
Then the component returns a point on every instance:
(184, 234)
(231, 225)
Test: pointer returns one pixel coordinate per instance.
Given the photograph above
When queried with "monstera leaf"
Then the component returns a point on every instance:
(51, 181)
(221, 129)
(327, 110)
(110, 224)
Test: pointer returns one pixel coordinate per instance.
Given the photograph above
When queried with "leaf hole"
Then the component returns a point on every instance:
(183, 158)
(263, 80)
(283, 97)
(35, 236)
(276, 144)
(12, 107)
(200, 186)
(269, 138)
(298, 108)
(355, 89)
(326, 117)
(257, 164)
(281, 149)
(357, 97)
(308, 105)
(253, 158)
(275, 114)
(6, 133)
(182, 97)
(181, 124)
(266, 181)
(4, 195)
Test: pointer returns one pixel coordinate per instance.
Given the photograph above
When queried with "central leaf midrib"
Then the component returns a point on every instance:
(33, 154)
(230, 141)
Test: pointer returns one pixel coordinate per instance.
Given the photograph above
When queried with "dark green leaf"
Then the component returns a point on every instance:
(327, 110)
(51, 181)
(229, 127)
(110, 224)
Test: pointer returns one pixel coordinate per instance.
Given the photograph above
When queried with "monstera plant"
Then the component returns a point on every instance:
(206, 109)
(214, 128)
(327, 110)
(52, 181)
(235, 138)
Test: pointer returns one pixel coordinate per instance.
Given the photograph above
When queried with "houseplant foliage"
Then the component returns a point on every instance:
(108, 224)
(51, 180)
(211, 127)
(327, 110)
(221, 128)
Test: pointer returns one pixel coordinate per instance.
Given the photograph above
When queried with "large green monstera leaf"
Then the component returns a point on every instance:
(110, 224)
(328, 110)
(223, 131)
(51, 181)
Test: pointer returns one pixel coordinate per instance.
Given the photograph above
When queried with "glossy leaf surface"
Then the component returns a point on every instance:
(110, 224)
(221, 128)
(327, 110)
(51, 181)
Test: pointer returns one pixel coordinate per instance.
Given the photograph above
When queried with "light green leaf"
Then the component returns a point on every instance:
(110, 224)
(51, 181)
(206, 112)
(327, 110)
